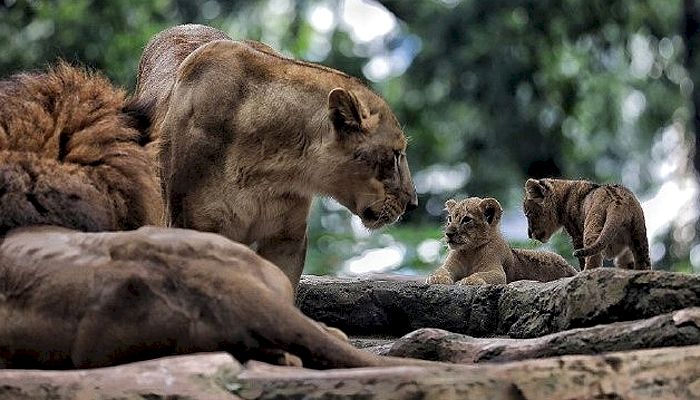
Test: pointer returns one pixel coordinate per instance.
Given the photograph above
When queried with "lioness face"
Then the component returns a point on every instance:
(540, 210)
(471, 222)
(371, 174)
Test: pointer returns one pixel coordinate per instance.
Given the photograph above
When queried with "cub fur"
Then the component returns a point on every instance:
(71, 154)
(480, 255)
(70, 299)
(246, 137)
(602, 220)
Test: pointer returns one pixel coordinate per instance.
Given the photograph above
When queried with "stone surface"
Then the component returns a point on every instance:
(680, 328)
(519, 310)
(666, 373)
(199, 376)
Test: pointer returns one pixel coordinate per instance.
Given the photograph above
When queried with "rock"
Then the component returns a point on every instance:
(200, 376)
(520, 310)
(667, 373)
(680, 328)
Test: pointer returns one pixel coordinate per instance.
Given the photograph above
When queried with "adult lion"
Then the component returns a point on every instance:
(247, 136)
(71, 154)
(81, 300)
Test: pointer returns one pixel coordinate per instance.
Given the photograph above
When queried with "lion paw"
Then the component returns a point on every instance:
(439, 279)
(472, 280)
(334, 331)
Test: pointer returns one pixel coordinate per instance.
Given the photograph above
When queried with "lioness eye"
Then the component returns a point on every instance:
(397, 158)
(466, 219)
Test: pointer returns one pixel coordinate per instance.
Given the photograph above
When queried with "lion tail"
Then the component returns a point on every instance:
(606, 236)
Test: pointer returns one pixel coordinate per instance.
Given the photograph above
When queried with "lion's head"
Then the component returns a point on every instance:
(471, 222)
(367, 170)
(540, 208)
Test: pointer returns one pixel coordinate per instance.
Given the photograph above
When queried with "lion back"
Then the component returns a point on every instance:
(71, 154)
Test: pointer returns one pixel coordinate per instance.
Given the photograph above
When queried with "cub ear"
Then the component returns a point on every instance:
(450, 205)
(492, 210)
(345, 111)
(537, 190)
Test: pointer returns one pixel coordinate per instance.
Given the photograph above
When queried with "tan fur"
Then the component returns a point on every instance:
(480, 255)
(602, 220)
(247, 137)
(71, 299)
(71, 154)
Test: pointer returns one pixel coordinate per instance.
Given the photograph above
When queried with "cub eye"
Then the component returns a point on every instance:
(449, 219)
(466, 219)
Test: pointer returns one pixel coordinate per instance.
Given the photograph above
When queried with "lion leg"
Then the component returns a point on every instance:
(591, 231)
(277, 357)
(493, 277)
(287, 253)
(625, 260)
(442, 276)
(640, 249)
(577, 242)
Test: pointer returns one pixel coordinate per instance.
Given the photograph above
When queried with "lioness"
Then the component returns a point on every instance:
(480, 255)
(71, 154)
(601, 220)
(72, 299)
(246, 137)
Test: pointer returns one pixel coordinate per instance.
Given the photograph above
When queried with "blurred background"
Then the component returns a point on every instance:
(489, 92)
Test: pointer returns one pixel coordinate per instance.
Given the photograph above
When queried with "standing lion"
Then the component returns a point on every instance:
(246, 137)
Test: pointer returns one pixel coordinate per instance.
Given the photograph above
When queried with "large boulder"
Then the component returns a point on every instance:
(667, 373)
(519, 310)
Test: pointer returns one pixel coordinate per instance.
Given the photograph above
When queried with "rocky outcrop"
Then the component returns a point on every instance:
(647, 374)
(680, 328)
(200, 376)
(667, 373)
(522, 309)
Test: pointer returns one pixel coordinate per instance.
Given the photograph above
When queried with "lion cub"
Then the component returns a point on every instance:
(602, 220)
(480, 255)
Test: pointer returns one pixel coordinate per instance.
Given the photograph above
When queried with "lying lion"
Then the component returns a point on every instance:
(246, 137)
(480, 255)
(72, 299)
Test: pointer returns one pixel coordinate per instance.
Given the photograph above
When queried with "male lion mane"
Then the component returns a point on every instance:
(71, 153)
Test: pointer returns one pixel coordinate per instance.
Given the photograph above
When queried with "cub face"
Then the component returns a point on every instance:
(471, 222)
(369, 172)
(539, 206)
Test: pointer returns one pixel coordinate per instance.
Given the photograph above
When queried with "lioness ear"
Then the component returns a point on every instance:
(345, 110)
(492, 210)
(450, 205)
(537, 190)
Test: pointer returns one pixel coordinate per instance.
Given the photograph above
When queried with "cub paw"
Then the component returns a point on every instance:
(439, 280)
(472, 280)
